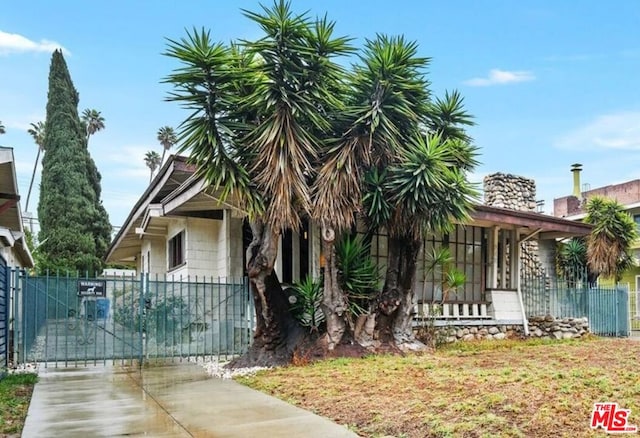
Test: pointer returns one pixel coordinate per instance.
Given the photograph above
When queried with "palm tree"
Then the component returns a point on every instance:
(571, 260)
(280, 127)
(409, 182)
(93, 122)
(258, 112)
(167, 138)
(2, 130)
(608, 245)
(152, 160)
(37, 132)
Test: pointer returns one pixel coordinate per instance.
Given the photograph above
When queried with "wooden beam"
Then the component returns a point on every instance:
(502, 217)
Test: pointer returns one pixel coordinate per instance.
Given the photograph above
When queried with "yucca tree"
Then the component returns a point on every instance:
(609, 244)
(93, 122)
(37, 132)
(167, 138)
(386, 96)
(401, 162)
(571, 260)
(260, 116)
(426, 190)
(152, 160)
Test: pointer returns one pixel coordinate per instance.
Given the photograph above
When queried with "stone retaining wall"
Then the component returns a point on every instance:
(539, 327)
(548, 327)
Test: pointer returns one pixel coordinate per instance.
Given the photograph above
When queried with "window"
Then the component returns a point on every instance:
(467, 251)
(176, 250)
(636, 219)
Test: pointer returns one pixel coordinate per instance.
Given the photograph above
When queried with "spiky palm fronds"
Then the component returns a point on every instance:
(206, 84)
(427, 186)
(261, 109)
(387, 98)
(37, 133)
(609, 243)
(294, 95)
(167, 138)
(93, 121)
(152, 160)
(448, 117)
(571, 259)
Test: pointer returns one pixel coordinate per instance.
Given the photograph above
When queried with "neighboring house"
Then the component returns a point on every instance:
(627, 194)
(13, 244)
(180, 229)
(14, 251)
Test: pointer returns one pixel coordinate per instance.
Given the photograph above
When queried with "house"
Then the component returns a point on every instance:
(180, 229)
(13, 245)
(627, 194)
(14, 251)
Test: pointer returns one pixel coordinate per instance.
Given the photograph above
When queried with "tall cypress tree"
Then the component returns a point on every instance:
(74, 226)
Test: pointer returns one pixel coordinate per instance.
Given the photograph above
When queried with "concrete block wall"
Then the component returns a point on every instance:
(206, 248)
(234, 246)
(154, 248)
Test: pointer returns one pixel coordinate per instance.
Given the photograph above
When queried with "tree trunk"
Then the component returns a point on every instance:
(277, 333)
(33, 175)
(395, 303)
(334, 303)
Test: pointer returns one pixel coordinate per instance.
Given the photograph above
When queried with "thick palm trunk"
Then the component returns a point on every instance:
(395, 303)
(277, 332)
(334, 303)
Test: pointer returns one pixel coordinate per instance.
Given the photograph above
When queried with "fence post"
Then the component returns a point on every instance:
(141, 336)
(18, 316)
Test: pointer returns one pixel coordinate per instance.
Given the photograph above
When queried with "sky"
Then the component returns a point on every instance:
(549, 83)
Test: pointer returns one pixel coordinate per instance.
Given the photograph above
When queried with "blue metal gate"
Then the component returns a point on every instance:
(70, 320)
(607, 308)
(608, 311)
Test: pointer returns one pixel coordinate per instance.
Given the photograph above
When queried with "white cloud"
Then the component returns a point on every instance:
(16, 43)
(617, 131)
(501, 77)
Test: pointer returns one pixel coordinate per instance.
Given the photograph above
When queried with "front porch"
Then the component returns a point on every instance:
(494, 252)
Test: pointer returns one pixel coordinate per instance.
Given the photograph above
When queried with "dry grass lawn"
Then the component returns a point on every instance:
(484, 389)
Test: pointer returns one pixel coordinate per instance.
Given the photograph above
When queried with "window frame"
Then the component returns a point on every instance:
(176, 256)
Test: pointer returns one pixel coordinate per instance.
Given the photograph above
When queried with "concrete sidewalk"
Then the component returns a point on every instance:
(168, 401)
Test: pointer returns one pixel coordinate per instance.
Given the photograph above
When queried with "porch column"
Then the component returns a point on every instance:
(493, 257)
(525, 322)
(514, 245)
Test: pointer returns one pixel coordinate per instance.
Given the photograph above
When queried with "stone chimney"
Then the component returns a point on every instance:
(510, 191)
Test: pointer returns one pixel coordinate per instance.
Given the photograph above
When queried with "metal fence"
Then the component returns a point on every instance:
(4, 316)
(634, 310)
(71, 320)
(607, 308)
